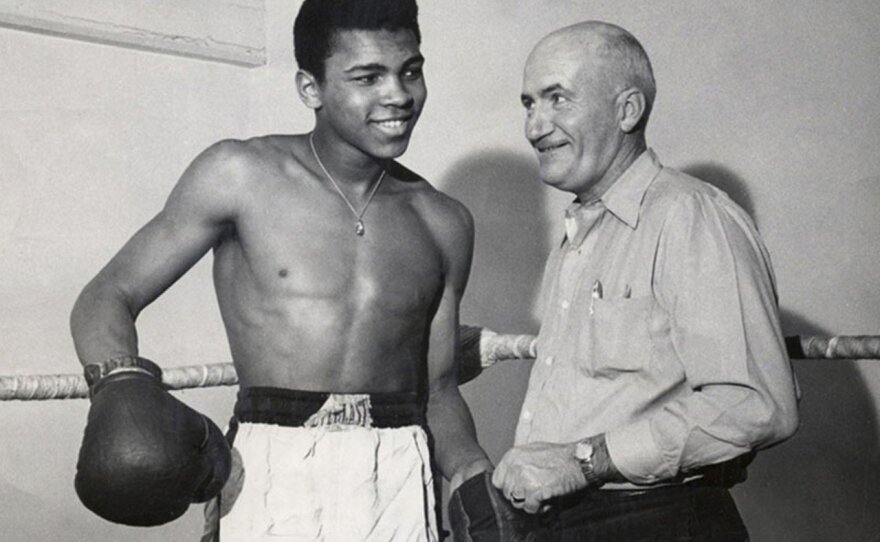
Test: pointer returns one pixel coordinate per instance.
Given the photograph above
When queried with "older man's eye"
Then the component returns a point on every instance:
(556, 99)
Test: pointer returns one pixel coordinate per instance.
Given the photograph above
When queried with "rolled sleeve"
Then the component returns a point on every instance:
(636, 455)
(718, 286)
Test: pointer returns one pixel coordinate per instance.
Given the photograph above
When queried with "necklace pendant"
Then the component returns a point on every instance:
(359, 228)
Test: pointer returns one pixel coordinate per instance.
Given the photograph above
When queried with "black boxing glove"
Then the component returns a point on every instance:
(145, 455)
(478, 512)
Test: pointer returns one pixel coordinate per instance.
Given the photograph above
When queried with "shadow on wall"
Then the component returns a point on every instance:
(505, 196)
(43, 521)
(725, 179)
(823, 483)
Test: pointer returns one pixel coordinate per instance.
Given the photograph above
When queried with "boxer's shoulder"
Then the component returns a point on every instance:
(237, 170)
(227, 163)
(427, 199)
(254, 158)
(447, 219)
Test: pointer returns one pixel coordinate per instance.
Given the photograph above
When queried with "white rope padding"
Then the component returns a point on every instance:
(841, 347)
(479, 349)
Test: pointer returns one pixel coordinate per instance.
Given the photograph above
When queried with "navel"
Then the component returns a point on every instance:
(283, 272)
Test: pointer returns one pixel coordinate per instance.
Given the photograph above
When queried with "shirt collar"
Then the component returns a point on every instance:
(580, 219)
(624, 197)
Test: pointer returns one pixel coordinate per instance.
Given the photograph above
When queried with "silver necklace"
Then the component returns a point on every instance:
(359, 225)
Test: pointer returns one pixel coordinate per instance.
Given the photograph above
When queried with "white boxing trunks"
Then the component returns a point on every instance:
(326, 467)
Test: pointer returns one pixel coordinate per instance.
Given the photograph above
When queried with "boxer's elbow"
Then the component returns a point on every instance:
(98, 297)
(102, 322)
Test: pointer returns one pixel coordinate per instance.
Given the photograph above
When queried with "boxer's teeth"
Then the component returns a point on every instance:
(392, 123)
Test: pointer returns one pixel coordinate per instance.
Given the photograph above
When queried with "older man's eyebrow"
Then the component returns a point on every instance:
(544, 92)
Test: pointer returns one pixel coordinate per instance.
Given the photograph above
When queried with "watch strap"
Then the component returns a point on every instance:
(584, 455)
(94, 372)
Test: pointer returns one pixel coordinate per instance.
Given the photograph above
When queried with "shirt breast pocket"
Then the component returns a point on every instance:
(619, 338)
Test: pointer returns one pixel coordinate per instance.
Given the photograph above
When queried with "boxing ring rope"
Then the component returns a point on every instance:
(479, 349)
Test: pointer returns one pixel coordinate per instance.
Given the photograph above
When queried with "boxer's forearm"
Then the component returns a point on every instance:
(456, 451)
(102, 324)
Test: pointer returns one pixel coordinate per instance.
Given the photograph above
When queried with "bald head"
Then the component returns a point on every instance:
(587, 91)
(612, 54)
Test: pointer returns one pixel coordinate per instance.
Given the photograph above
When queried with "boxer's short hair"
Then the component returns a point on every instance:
(318, 22)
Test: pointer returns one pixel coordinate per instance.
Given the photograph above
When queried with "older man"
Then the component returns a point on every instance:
(661, 365)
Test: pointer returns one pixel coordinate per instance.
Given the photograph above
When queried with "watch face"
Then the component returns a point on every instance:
(583, 451)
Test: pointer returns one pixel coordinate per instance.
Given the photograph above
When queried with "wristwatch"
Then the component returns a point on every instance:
(94, 372)
(583, 452)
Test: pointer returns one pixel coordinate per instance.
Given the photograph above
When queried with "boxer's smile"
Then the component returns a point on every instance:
(373, 91)
(394, 126)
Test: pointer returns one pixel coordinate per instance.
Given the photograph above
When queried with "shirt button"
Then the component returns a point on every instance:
(549, 360)
(566, 304)
(526, 415)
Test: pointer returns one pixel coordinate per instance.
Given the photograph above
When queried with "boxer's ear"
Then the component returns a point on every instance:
(309, 89)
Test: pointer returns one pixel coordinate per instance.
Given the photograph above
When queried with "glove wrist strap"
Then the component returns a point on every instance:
(94, 372)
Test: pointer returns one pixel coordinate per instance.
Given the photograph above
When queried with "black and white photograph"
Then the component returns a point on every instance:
(439, 270)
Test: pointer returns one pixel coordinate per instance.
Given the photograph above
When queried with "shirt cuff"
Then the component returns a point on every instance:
(636, 455)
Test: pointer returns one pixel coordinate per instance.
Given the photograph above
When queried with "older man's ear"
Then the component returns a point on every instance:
(632, 104)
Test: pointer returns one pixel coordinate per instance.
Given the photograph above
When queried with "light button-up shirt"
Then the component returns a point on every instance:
(660, 329)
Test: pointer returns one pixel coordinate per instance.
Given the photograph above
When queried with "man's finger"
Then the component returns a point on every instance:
(531, 504)
(517, 494)
(501, 475)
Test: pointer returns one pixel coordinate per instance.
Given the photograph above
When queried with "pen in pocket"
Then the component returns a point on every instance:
(596, 293)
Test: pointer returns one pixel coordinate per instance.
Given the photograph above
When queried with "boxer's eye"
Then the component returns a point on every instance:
(367, 79)
(413, 74)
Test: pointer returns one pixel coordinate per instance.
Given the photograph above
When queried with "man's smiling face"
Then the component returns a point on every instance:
(373, 90)
(571, 115)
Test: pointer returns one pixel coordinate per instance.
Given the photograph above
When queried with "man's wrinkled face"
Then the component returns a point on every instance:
(571, 117)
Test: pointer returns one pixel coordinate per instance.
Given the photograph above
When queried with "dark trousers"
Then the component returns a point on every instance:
(677, 513)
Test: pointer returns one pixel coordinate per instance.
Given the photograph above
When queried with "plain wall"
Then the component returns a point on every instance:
(776, 102)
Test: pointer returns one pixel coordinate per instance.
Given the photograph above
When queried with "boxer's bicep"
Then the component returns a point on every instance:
(200, 208)
(197, 213)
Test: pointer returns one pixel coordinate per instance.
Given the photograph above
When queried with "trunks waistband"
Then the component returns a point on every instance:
(298, 408)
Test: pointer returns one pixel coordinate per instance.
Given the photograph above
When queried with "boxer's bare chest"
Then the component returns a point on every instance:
(295, 244)
(295, 282)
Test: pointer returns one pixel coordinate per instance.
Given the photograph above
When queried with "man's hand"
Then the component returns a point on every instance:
(530, 474)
